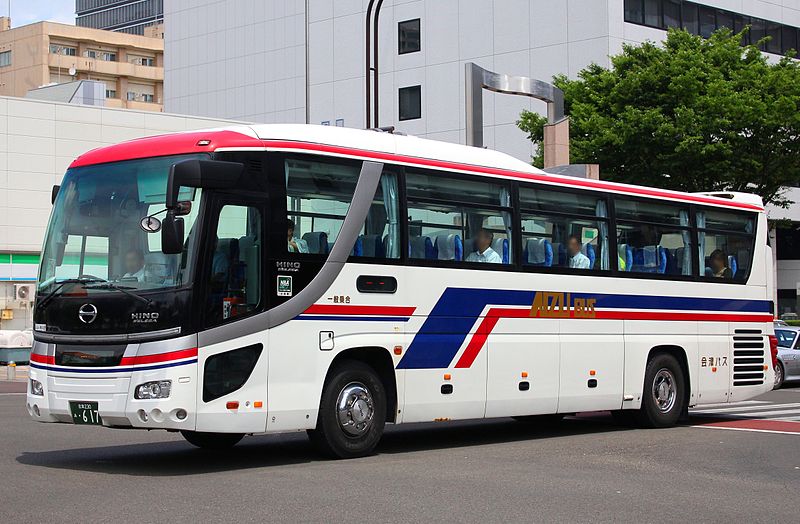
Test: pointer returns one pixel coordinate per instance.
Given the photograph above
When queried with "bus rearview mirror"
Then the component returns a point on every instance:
(54, 194)
(171, 234)
(207, 174)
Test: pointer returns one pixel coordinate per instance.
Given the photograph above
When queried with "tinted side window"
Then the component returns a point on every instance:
(460, 220)
(653, 238)
(561, 229)
(318, 196)
(725, 244)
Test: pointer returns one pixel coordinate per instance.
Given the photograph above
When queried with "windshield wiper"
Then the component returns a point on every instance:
(123, 289)
(46, 300)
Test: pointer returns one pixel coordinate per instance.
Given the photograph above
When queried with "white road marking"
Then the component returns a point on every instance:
(748, 429)
(11, 394)
(746, 408)
(730, 404)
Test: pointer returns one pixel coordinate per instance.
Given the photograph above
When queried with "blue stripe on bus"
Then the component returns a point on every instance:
(454, 315)
(111, 370)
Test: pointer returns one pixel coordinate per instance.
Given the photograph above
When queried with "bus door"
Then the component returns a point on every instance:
(232, 350)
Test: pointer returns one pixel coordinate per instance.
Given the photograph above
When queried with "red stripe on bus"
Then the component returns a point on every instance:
(160, 357)
(332, 309)
(443, 164)
(488, 323)
(164, 145)
(42, 359)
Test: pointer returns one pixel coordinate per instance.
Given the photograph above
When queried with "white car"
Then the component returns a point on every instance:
(788, 367)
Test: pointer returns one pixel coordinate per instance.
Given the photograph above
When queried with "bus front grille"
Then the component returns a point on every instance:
(749, 357)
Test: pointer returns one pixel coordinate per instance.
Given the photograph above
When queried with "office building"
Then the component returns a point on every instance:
(124, 16)
(280, 62)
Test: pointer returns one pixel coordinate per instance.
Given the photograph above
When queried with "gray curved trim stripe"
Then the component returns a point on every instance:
(95, 339)
(363, 195)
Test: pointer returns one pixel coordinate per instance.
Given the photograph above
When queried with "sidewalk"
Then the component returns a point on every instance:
(22, 374)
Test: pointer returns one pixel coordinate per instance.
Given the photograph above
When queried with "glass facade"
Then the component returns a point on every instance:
(126, 16)
(704, 20)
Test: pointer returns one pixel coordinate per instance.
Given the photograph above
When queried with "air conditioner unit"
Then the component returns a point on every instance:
(23, 292)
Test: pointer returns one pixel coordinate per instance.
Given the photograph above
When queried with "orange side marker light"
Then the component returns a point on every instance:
(398, 350)
(258, 404)
(234, 404)
(524, 374)
(592, 372)
(714, 369)
(447, 376)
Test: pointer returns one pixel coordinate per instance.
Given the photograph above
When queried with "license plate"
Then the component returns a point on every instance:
(85, 413)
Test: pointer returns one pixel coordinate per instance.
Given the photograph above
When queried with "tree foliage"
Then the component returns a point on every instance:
(691, 114)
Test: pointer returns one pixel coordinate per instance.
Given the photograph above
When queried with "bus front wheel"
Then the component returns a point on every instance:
(352, 412)
(663, 397)
(212, 440)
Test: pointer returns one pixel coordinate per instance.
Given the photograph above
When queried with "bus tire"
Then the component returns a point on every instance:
(212, 440)
(664, 392)
(352, 412)
(780, 376)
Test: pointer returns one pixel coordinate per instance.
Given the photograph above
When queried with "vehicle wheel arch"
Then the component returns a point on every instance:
(379, 359)
(680, 355)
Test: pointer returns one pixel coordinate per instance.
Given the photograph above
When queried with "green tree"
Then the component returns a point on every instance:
(690, 114)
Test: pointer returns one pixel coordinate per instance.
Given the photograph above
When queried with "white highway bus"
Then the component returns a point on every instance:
(289, 277)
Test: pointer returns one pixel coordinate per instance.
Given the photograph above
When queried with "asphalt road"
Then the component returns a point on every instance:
(585, 469)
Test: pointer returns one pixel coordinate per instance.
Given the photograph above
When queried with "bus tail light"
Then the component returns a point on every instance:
(773, 348)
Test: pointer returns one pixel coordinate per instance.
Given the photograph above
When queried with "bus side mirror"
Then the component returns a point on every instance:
(172, 234)
(208, 174)
(54, 194)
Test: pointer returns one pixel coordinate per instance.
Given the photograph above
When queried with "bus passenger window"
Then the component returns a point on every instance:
(235, 281)
(653, 238)
(453, 219)
(318, 195)
(563, 229)
(725, 244)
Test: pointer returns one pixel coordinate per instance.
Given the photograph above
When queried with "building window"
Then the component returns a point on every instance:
(703, 20)
(5, 58)
(147, 98)
(63, 50)
(408, 37)
(131, 96)
(111, 93)
(410, 102)
(634, 12)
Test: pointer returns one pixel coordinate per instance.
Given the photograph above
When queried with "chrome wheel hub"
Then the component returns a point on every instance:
(664, 390)
(778, 374)
(355, 409)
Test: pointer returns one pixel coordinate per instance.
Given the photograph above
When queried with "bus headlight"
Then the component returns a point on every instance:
(37, 388)
(155, 389)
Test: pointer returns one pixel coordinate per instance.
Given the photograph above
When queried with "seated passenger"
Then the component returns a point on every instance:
(719, 265)
(296, 245)
(577, 260)
(484, 251)
(134, 265)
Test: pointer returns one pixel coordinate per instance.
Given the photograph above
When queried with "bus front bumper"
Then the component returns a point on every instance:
(114, 394)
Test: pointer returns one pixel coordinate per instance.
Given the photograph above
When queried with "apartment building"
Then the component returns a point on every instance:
(46, 53)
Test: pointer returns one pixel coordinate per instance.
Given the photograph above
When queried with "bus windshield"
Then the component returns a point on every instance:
(95, 233)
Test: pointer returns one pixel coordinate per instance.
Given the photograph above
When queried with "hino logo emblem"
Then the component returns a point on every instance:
(144, 318)
(87, 313)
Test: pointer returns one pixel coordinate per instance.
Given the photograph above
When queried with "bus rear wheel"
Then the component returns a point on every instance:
(212, 440)
(664, 396)
(352, 412)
